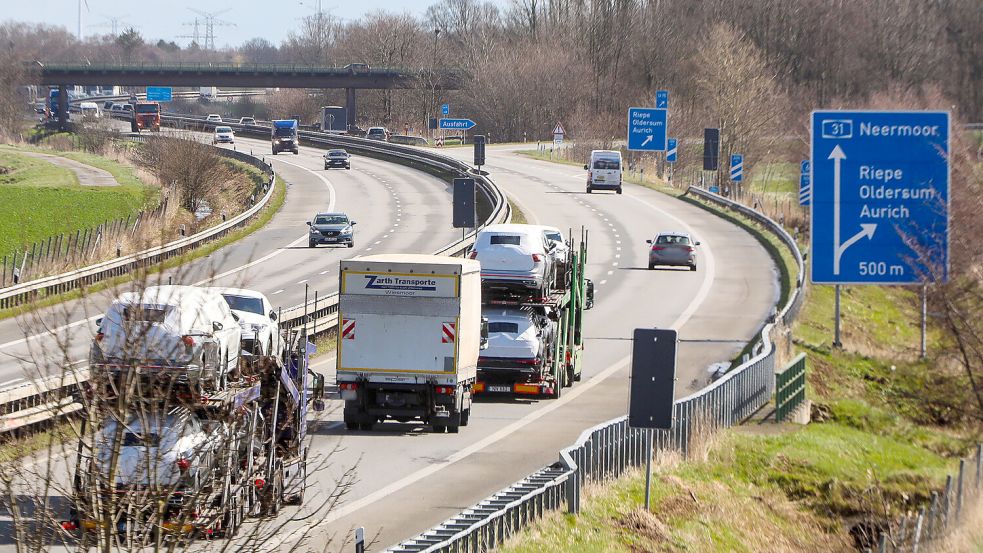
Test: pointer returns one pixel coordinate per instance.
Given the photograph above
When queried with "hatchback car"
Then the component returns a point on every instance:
(377, 133)
(515, 258)
(673, 248)
(331, 228)
(337, 158)
(257, 320)
(247, 121)
(213, 118)
(224, 135)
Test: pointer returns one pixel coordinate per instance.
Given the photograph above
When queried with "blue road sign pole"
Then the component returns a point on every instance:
(879, 197)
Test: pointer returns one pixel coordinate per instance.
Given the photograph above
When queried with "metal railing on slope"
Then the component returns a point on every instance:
(611, 448)
(50, 398)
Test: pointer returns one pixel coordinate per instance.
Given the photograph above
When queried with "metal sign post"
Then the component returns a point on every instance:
(360, 540)
(653, 380)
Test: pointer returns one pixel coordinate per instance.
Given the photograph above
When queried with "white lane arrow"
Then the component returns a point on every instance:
(646, 141)
(867, 231)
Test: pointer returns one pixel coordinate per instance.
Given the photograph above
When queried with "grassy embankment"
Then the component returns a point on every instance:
(39, 199)
(878, 441)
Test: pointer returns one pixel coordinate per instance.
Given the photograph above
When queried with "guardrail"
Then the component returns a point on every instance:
(50, 398)
(26, 292)
(610, 448)
(790, 387)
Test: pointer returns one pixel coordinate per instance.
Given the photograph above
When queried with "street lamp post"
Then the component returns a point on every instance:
(433, 83)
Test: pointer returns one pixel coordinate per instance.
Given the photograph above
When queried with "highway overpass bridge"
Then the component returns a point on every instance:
(351, 77)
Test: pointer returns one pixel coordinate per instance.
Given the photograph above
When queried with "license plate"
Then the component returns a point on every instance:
(499, 388)
(330, 239)
(600, 179)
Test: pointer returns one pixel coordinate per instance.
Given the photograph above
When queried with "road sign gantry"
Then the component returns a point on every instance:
(880, 197)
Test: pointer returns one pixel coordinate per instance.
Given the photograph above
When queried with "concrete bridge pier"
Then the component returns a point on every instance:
(62, 107)
(350, 106)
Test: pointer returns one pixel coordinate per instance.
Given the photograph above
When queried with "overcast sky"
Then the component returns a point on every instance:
(155, 19)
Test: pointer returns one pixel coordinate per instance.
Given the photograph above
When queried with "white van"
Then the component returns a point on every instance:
(604, 171)
(90, 109)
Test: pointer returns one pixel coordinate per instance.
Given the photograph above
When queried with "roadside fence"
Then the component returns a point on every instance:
(790, 388)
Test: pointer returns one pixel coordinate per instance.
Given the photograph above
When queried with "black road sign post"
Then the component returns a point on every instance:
(360, 540)
(464, 217)
(653, 382)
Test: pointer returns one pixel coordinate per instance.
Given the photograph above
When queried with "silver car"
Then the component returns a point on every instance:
(673, 248)
(515, 259)
(331, 228)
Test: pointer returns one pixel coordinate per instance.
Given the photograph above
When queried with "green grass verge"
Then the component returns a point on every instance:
(784, 492)
(518, 217)
(39, 199)
(267, 213)
(49, 439)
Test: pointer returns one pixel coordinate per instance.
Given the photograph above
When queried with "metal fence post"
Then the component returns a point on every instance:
(946, 497)
(959, 488)
(979, 465)
(918, 530)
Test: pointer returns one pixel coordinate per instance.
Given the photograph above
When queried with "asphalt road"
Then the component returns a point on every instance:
(397, 210)
(408, 479)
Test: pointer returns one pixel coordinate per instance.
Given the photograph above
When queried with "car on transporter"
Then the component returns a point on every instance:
(515, 259)
(257, 320)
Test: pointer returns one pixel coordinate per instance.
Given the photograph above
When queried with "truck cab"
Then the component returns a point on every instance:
(284, 136)
(146, 116)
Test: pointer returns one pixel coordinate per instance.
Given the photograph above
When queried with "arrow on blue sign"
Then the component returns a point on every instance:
(647, 129)
(456, 124)
(736, 167)
(880, 196)
(662, 99)
(671, 148)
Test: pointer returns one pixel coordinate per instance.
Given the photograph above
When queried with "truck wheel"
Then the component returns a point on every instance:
(274, 152)
(570, 378)
(365, 426)
(465, 416)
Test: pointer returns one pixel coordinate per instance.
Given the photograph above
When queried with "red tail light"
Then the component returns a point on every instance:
(473, 255)
(69, 526)
(657, 248)
(188, 340)
(183, 465)
(99, 336)
(348, 386)
(536, 258)
(259, 483)
(448, 390)
(526, 361)
(689, 249)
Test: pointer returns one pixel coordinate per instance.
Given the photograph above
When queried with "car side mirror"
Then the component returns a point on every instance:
(317, 385)
(697, 243)
(272, 315)
(589, 299)
(585, 167)
(353, 223)
(484, 333)
(308, 223)
(99, 321)
(217, 326)
(648, 241)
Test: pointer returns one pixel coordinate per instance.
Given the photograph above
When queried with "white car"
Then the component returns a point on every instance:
(515, 258)
(223, 135)
(183, 332)
(519, 341)
(213, 118)
(170, 450)
(257, 319)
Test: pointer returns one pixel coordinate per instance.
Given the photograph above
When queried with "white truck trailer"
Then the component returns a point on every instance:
(409, 333)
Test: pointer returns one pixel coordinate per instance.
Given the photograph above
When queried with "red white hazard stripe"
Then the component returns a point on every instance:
(448, 333)
(348, 329)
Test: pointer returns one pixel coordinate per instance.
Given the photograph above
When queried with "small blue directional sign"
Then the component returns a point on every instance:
(159, 94)
(805, 185)
(662, 99)
(736, 167)
(715, 189)
(647, 129)
(880, 197)
(445, 109)
(671, 150)
(456, 124)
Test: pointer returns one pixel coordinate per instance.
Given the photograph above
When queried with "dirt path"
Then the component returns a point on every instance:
(87, 174)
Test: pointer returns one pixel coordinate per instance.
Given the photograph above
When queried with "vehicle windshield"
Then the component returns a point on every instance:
(505, 239)
(127, 107)
(283, 131)
(247, 120)
(377, 131)
(244, 303)
(144, 313)
(337, 153)
(504, 327)
(148, 108)
(672, 239)
(223, 129)
(331, 220)
(132, 439)
(606, 164)
(554, 236)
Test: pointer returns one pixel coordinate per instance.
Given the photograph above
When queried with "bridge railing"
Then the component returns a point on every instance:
(43, 400)
(611, 448)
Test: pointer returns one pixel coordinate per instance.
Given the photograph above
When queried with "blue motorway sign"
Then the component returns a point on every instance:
(736, 167)
(880, 197)
(647, 129)
(456, 124)
(662, 99)
(445, 109)
(805, 184)
(159, 94)
(671, 148)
